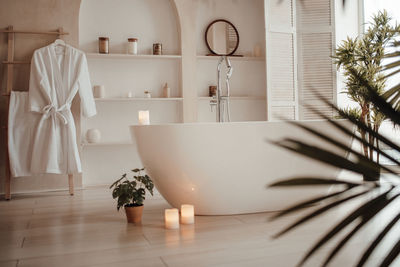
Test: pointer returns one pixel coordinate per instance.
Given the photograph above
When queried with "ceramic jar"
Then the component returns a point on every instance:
(166, 91)
(99, 91)
(103, 45)
(212, 90)
(157, 49)
(132, 46)
(93, 136)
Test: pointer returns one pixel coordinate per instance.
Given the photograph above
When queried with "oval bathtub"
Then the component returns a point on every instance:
(224, 168)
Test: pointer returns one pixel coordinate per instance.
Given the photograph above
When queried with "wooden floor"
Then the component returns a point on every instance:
(54, 229)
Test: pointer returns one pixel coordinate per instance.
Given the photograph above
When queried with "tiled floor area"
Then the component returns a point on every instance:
(54, 229)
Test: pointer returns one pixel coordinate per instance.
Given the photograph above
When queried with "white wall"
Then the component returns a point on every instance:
(248, 78)
(246, 15)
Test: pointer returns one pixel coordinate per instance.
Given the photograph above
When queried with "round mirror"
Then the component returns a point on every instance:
(222, 38)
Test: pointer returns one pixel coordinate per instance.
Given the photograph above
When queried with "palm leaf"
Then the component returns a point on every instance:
(377, 241)
(342, 146)
(392, 255)
(318, 212)
(350, 133)
(379, 200)
(308, 203)
(306, 181)
(368, 215)
(323, 155)
(362, 125)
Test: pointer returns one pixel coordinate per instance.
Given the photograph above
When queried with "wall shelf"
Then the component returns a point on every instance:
(232, 58)
(106, 144)
(236, 98)
(126, 99)
(128, 56)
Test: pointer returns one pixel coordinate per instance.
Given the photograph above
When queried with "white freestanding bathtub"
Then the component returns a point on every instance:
(224, 168)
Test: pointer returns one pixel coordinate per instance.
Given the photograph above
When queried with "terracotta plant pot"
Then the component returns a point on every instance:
(134, 214)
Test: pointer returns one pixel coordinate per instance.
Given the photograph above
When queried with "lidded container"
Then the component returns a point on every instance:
(103, 45)
(132, 46)
(157, 49)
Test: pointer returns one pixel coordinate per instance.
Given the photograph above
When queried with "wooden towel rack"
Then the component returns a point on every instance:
(9, 87)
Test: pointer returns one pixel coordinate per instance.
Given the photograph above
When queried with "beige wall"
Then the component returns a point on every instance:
(37, 15)
(45, 15)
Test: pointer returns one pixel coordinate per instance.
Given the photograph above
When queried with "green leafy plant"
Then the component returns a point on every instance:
(131, 193)
(363, 56)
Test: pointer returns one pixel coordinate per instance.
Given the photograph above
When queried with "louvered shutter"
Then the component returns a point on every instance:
(315, 33)
(281, 54)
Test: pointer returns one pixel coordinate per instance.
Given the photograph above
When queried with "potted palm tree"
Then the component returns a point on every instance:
(363, 56)
(131, 194)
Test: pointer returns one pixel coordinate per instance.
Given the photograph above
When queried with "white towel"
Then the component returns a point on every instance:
(21, 128)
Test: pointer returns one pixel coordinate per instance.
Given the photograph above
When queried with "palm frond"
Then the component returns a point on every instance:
(344, 147)
(359, 212)
(362, 125)
(350, 133)
(306, 181)
(320, 211)
(308, 203)
(377, 240)
(391, 256)
(366, 169)
(367, 216)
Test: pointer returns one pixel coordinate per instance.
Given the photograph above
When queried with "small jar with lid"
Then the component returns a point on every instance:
(157, 49)
(132, 46)
(103, 45)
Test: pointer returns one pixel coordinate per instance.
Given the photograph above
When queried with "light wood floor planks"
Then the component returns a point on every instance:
(55, 229)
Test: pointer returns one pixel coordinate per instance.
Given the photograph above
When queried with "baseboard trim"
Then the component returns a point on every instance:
(41, 191)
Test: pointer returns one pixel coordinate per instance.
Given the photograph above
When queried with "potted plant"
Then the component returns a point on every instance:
(363, 56)
(132, 193)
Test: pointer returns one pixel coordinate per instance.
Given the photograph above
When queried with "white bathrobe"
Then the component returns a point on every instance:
(56, 77)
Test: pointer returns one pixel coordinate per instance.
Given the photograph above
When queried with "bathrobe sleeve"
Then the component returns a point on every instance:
(88, 105)
(38, 96)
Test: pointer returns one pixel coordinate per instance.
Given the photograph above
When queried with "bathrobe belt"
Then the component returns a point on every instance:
(51, 110)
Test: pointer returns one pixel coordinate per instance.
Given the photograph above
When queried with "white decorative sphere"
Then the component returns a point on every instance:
(93, 135)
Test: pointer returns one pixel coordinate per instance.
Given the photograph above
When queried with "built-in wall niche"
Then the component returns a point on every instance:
(248, 82)
(151, 21)
(125, 77)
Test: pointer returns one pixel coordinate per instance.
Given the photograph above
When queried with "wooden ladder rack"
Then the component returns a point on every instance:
(9, 87)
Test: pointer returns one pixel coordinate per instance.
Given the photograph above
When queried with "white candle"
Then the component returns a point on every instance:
(187, 214)
(144, 117)
(171, 218)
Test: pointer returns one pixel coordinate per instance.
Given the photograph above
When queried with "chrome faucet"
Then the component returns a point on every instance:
(220, 101)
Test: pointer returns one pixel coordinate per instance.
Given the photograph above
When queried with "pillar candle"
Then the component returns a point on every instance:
(144, 117)
(187, 214)
(171, 218)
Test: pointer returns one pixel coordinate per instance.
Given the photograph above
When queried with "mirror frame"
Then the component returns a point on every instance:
(236, 31)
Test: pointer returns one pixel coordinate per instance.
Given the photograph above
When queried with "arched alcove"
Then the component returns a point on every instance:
(151, 21)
